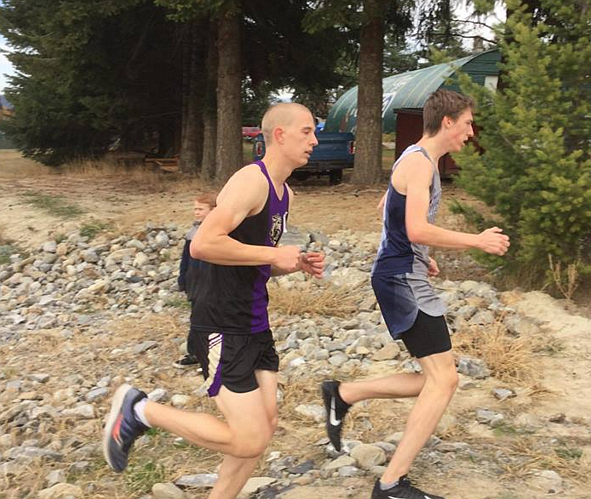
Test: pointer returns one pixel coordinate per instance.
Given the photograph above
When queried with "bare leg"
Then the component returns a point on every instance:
(245, 434)
(441, 380)
(393, 386)
(235, 472)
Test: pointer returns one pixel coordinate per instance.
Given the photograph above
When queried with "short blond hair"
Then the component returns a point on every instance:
(277, 115)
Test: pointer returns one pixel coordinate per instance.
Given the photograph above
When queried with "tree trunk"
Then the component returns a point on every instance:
(229, 100)
(208, 164)
(368, 140)
(193, 82)
(187, 39)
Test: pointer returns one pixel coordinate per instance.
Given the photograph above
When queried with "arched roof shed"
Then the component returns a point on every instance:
(410, 90)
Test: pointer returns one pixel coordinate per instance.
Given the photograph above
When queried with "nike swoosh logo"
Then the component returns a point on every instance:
(393, 497)
(333, 413)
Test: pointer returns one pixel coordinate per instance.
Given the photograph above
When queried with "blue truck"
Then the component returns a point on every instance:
(334, 153)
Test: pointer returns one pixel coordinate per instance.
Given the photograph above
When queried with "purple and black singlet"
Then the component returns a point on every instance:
(233, 299)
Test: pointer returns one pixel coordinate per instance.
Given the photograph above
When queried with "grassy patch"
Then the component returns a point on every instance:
(140, 477)
(5, 251)
(181, 303)
(54, 205)
(533, 453)
(90, 230)
(506, 429)
(155, 432)
(59, 238)
(569, 453)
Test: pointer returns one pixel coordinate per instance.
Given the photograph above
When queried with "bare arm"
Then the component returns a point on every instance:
(420, 231)
(244, 195)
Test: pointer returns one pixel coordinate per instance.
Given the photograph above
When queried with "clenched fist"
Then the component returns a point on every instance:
(493, 241)
(287, 259)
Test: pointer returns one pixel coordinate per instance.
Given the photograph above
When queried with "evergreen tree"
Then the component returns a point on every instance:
(439, 31)
(536, 166)
(88, 74)
(373, 19)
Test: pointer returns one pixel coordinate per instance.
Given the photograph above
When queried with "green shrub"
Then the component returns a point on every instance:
(535, 170)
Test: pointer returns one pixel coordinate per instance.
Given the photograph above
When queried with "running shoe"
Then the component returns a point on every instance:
(402, 490)
(336, 409)
(122, 428)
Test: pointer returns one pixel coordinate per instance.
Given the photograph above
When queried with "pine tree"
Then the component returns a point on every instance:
(88, 74)
(536, 166)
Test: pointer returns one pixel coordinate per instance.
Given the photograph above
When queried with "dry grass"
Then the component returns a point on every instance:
(145, 178)
(308, 298)
(566, 281)
(531, 453)
(93, 356)
(510, 359)
(299, 428)
(15, 166)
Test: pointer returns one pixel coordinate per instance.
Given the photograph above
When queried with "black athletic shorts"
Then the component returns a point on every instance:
(230, 360)
(427, 336)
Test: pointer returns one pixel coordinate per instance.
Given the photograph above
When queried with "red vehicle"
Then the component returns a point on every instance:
(250, 132)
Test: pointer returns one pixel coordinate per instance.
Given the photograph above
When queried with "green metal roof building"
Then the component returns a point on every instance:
(410, 90)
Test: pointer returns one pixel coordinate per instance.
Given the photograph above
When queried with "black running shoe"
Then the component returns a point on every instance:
(402, 490)
(122, 427)
(336, 409)
(187, 361)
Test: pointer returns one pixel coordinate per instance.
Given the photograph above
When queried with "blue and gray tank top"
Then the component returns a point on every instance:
(233, 299)
(396, 254)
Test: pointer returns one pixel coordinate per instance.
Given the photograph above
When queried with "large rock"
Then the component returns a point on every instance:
(475, 368)
(167, 491)
(29, 453)
(547, 482)
(339, 462)
(55, 476)
(61, 491)
(84, 411)
(368, 456)
(255, 484)
(310, 411)
(389, 352)
(197, 481)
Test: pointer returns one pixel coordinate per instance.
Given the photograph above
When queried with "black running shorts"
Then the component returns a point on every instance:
(427, 336)
(230, 360)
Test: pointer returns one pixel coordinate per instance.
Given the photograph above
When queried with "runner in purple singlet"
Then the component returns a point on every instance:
(238, 240)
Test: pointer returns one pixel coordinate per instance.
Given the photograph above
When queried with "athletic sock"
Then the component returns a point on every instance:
(139, 411)
(341, 404)
(388, 486)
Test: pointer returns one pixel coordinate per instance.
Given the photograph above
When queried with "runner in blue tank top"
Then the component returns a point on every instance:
(239, 241)
(408, 303)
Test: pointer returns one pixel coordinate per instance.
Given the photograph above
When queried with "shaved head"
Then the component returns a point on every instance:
(281, 115)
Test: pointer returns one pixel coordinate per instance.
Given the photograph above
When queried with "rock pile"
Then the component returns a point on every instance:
(80, 285)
